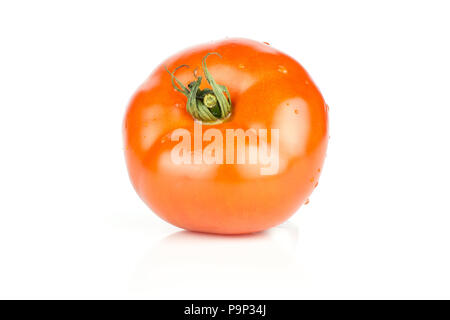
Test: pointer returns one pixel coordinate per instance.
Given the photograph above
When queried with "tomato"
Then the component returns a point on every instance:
(230, 86)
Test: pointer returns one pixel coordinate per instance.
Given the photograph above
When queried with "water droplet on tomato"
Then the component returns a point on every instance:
(282, 69)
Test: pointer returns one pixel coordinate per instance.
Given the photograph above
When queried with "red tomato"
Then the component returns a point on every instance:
(241, 84)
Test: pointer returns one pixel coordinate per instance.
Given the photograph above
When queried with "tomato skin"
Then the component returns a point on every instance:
(268, 90)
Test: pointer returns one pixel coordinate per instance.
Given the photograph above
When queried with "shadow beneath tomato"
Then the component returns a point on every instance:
(187, 259)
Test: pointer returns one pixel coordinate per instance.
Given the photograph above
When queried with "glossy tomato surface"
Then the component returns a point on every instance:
(268, 89)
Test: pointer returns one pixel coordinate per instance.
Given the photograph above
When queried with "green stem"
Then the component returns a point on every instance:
(211, 106)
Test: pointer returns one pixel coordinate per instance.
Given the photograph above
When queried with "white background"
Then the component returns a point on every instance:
(71, 225)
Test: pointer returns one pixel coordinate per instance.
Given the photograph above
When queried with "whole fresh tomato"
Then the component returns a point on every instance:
(227, 137)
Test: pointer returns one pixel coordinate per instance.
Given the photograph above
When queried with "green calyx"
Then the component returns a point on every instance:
(209, 105)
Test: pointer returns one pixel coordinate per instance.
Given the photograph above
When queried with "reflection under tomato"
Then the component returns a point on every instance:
(186, 260)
